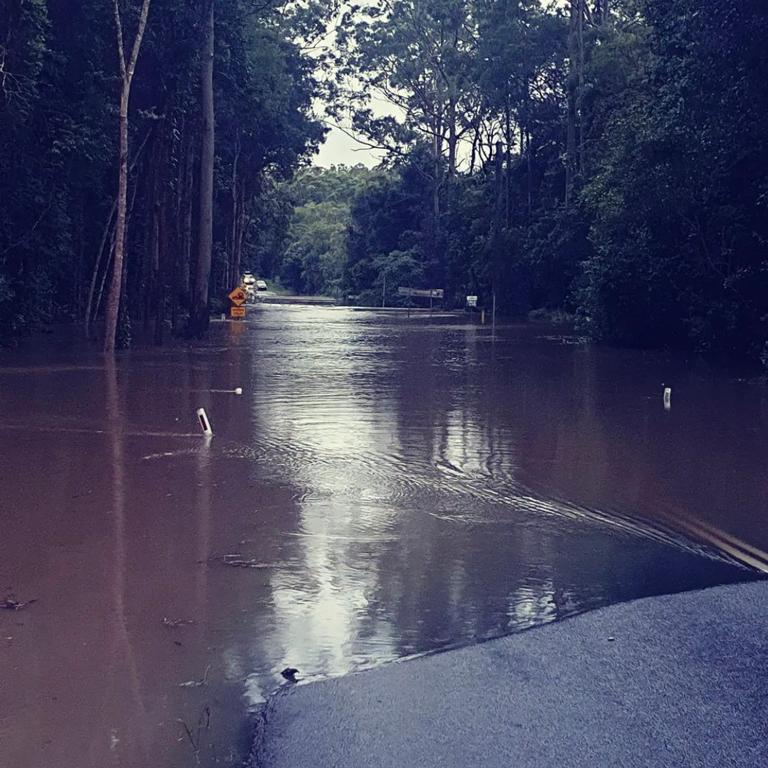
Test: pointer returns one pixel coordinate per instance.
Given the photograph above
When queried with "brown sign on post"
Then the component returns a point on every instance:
(237, 311)
(238, 297)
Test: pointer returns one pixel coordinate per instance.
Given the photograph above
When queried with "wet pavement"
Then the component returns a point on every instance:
(675, 680)
(384, 487)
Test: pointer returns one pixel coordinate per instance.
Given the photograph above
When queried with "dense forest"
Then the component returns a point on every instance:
(604, 157)
(218, 110)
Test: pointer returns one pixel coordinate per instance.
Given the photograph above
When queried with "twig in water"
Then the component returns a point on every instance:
(238, 561)
(9, 604)
(173, 623)
(203, 723)
(197, 683)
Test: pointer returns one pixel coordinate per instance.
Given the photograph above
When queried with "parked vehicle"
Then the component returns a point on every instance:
(248, 282)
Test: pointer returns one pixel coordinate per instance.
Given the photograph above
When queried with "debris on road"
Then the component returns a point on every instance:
(289, 673)
(197, 683)
(238, 561)
(9, 604)
(173, 623)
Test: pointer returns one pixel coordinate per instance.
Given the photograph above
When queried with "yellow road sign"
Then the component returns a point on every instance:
(237, 311)
(237, 297)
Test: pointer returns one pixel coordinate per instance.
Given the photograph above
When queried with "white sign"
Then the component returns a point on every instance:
(471, 301)
(426, 293)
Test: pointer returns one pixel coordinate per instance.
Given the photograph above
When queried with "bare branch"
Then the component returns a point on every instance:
(120, 44)
(393, 148)
(139, 36)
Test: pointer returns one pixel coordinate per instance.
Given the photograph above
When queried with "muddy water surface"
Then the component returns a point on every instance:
(384, 487)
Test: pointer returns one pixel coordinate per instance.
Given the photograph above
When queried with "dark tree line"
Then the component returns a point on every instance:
(219, 112)
(605, 158)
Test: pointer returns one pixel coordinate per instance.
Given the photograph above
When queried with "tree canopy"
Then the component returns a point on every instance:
(605, 158)
(59, 89)
(608, 158)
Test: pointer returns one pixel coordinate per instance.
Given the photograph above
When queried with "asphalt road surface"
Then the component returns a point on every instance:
(665, 681)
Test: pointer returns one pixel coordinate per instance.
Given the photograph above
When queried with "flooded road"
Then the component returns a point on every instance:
(383, 487)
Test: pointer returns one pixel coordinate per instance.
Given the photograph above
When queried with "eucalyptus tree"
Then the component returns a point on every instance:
(60, 86)
(127, 59)
(199, 313)
(416, 56)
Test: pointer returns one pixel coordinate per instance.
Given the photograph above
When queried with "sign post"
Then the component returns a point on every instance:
(423, 293)
(238, 298)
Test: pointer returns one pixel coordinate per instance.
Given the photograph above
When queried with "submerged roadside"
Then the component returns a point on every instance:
(670, 680)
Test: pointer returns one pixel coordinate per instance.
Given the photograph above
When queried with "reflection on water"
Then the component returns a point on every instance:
(383, 488)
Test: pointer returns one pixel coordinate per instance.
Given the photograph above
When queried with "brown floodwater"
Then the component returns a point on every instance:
(383, 487)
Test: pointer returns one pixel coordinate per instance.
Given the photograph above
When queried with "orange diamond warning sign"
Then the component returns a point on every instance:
(237, 297)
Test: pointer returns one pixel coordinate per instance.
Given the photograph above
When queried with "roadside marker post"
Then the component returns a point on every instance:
(667, 398)
(204, 422)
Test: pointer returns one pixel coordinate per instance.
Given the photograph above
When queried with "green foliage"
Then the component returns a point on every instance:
(615, 169)
(678, 199)
(659, 111)
(386, 236)
(314, 253)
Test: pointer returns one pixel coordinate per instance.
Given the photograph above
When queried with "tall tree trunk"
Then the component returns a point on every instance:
(105, 238)
(508, 164)
(162, 272)
(151, 250)
(437, 151)
(91, 307)
(110, 254)
(199, 316)
(127, 69)
(245, 223)
(453, 138)
(580, 88)
(498, 177)
(234, 261)
(475, 141)
(529, 172)
(182, 250)
(433, 233)
(189, 205)
(116, 285)
(498, 216)
(573, 58)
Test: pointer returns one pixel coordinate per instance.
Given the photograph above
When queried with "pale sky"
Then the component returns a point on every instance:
(340, 149)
